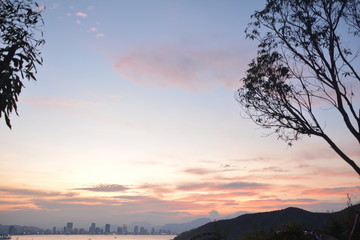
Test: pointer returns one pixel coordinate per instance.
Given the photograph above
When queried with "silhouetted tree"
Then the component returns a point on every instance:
(307, 62)
(21, 37)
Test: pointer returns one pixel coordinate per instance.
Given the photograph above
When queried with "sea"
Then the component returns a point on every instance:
(93, 237)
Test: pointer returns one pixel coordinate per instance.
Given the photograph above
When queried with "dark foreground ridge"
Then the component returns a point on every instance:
(248, 224)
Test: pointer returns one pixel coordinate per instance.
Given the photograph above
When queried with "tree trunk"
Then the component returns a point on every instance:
(341, 154)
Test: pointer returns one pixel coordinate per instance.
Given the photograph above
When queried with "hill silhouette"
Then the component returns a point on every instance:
(247, 224)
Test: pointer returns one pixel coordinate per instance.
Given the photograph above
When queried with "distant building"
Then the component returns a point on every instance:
(92, 228)
(69, 227)
(136, 230)
(107, 228)
(12, 230)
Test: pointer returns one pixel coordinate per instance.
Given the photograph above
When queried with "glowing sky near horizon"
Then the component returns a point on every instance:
(133, 118)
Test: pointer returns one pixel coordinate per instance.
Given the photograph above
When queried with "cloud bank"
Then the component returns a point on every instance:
(182, 67)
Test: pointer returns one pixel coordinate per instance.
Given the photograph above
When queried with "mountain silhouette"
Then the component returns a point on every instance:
(181, 227)
(247, 224)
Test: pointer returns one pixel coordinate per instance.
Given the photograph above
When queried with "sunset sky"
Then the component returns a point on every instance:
(134, 118)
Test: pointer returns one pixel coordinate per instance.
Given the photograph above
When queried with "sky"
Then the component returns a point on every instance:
(133, 117)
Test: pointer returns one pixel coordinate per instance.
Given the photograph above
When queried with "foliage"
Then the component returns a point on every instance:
(305, 64)
(21, 38)
(292, 231)
(343, 227)
(217, 234)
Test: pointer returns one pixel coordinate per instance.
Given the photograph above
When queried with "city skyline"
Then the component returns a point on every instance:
(93, 229)
(133, 118)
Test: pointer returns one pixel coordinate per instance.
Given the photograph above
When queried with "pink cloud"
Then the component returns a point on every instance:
(41, 8)
(81, 14)
(59, 102)
(338, 191)
(92, 29)
(105, 188)
(275, 204)
(197, 199)
(117, 97)
(230, 186)
(82, 108)
(182, 67)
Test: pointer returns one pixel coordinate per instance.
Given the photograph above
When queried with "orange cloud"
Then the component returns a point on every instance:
(15, 199)
(186, 199)
(81, 14)
(181, 67)
(260, 205)
(32, 192)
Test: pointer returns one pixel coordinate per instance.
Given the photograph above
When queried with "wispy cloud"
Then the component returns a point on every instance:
(186, 201)
(131, 197)
(91, 8)
(55, 6)
(225, 186)
(81, 14)
(118, 97)
(158, 189)
(181, 67)
(270, 169)
(33, 192)
(105, 188)
(83, 108)
(339, 191)
(276, 203)
(60, 102)
(199, 171)
(242, 185)
(92, 29)
(41, 8)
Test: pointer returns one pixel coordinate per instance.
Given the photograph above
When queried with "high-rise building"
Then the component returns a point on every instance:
(125, 229)
(12, 230)
(69, 227)
(92, 228)
(107, 228)
(136, 230)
